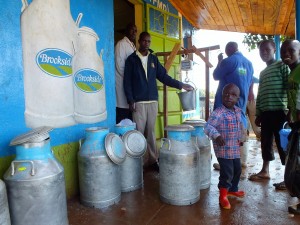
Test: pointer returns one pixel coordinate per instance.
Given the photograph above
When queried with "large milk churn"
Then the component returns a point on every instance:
(178, 167)
(4, 211)
(89, 85)
(98, 164)
(203, 143)
(132, 168)
(48, 31)
(35, 182)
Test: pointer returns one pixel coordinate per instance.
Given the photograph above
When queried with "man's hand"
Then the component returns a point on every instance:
(187, 87)
(258, 121)
(132, 107)
(220, 57)
(220, 141)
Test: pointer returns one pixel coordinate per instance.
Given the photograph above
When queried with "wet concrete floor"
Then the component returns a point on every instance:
(262, 204)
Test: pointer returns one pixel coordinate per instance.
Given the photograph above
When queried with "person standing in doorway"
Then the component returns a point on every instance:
(236, 69)
(123, 49)
(142, 68)
(271, 107)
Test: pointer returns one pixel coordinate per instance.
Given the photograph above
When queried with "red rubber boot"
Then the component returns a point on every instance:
(223, 199)
(239, 194)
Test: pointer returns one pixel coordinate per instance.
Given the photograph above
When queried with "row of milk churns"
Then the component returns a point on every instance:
(33, 191)
(63, 73)
(110, 163)
(185, 163)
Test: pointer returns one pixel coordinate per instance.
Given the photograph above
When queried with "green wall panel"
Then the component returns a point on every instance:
(173, 118)
(5, 163)
(157, 44)
(173, 101)
(67, 155)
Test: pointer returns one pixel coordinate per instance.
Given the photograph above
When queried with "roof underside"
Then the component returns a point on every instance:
(271, 17)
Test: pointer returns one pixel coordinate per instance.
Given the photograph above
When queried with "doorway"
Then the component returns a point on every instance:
(124, 13)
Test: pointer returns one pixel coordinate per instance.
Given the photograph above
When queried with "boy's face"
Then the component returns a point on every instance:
(144, 42)
(290, 52)
(230, 96)
(266, 52)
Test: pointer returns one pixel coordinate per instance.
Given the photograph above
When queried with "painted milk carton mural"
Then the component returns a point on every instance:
(49, 35)
(47, 32)
(88, 80)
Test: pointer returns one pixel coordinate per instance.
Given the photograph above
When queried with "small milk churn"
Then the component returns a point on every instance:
(35, 182)
(98, 164)
(178, 167)
(88, 81)
(203, 143)
(4, 211)
(132, 168)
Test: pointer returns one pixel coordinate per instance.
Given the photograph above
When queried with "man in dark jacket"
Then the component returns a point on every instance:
(142, 68)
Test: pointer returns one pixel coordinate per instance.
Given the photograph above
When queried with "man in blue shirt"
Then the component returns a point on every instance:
(236, 69)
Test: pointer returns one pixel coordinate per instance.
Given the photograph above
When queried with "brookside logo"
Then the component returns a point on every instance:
(55, 62)
(88, 80)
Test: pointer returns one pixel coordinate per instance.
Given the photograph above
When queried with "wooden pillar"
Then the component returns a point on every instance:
(165, 101)
(206, 85)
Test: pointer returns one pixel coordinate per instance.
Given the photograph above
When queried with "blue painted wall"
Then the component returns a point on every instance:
(99, 16)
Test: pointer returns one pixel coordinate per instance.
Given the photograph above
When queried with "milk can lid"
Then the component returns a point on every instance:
(38, 134)
(115, 148)
(89, 31)
(197, 123)
(135, 143)
(179, 127)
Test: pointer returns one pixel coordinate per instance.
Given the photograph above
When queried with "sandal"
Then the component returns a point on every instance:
(280, 186)
(258, 177)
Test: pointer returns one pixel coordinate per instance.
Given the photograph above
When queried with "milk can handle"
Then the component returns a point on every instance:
(79, 17)
(25, 5)
(163, 141)
(80, 142)
(22, 161)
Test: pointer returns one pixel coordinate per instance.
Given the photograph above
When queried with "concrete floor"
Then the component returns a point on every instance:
(262, 204)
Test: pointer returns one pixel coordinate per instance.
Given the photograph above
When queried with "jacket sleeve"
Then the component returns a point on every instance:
(127, 82)
(224, 68)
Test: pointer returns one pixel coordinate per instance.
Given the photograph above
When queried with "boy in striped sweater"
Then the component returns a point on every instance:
(271, 107)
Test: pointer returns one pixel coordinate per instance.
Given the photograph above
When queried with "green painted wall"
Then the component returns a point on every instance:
(67, 155)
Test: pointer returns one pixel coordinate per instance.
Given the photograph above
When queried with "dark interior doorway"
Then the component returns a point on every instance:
(123, 14)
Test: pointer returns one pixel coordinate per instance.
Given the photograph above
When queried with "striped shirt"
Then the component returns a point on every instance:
(228, 124)
(272, 89)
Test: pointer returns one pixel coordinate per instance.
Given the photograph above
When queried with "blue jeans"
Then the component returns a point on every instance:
(230, 173)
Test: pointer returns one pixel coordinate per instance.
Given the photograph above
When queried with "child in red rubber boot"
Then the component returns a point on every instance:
(224, 127)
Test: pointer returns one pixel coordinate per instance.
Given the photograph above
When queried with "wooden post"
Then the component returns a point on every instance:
(206, 85)
(165, 106)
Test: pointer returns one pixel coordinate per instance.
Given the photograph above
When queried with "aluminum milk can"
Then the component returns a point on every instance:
(178, 167)
(35, 182)
(132, 168)
(203, 143)
(98, 164)
(4, 211)
(88, 79)
(48, 31)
